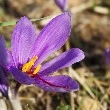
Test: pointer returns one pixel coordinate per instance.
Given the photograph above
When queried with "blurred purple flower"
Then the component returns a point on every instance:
(62, 4)
(107, 55)
(3, 82)
(29, 51)
(3, 74)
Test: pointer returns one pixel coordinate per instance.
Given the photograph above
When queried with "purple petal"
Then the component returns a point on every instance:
(11, 61)
(60, 83)
(3, 82)
(62, 4)
(64, 60)
(4, 89)
(21, 77)
(23, 38)
(107, 55)
(52, 37)
(4, 60)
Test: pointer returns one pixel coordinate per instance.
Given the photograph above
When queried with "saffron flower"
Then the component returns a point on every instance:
(62, 4)
(28, 52)
(3, 72)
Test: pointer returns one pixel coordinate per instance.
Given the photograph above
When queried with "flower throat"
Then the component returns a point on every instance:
(29, 69)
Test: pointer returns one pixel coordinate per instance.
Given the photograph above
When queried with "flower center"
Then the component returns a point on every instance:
(28, 67)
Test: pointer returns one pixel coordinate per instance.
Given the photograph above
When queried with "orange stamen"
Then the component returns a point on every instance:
(28, 67)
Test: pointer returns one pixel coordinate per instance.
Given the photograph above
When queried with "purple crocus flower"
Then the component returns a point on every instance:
(29, 51)
(3, 82)
(3, 72)
(107, 55)
(62, 4)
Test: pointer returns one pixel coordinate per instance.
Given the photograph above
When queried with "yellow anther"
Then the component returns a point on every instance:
(37, 69)
(27, 66)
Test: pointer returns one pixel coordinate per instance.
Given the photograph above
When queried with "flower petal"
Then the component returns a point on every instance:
(65, 59)
(21, 77)
(60, 83)
(107, 55)
(3, 82)
(23, 38)
(62, 4)
(52, 37)
(4, 60)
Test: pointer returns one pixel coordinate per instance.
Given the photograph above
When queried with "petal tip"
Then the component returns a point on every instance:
(76, 87)
(68, 14)
(24, 20)
(24, 17)
(80, 54)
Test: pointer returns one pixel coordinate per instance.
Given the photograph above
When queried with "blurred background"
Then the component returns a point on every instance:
(90, 32)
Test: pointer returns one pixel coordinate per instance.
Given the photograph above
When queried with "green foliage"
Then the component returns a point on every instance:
(64, 107)
(7, 23)
(14, 22)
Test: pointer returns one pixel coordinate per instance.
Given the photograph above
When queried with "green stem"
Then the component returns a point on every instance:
(14, 22)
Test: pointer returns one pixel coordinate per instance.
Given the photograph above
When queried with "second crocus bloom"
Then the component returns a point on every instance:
(62, 4)
(3, 63)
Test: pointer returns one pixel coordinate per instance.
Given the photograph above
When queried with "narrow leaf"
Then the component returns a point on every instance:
(14, 22)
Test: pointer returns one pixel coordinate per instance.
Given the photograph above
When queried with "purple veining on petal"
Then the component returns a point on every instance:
(52, 37)
(65, 59)
(23, 38)
(26, 47)
(59, 83)
(4, 60)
